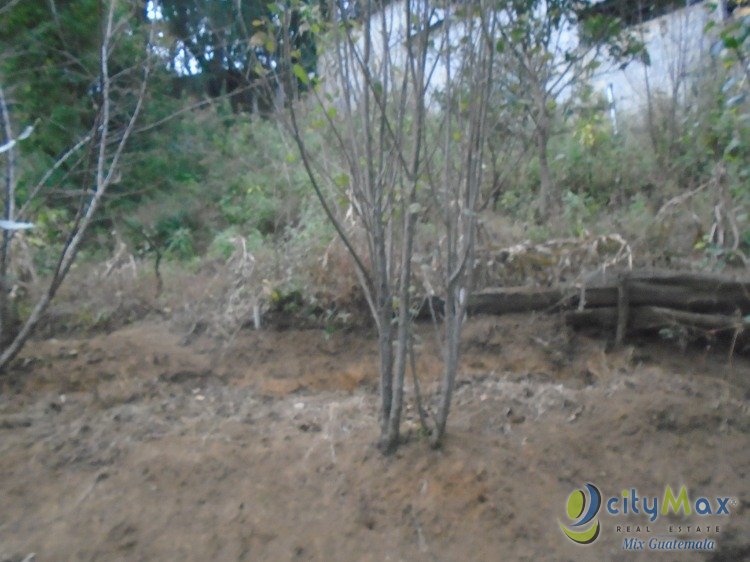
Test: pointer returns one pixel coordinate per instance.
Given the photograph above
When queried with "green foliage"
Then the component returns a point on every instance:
(222, 246)
(290, 301)
(53, 63)
(50, 71)
(546, 50)
(205, 181)
(578, 209)
(535, 56)
(180, 243)
(250, 206)
(230, 47)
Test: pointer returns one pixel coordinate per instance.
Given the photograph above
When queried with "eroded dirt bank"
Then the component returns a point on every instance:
(136, 445)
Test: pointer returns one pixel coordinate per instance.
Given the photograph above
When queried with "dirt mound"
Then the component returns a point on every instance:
(135, 446)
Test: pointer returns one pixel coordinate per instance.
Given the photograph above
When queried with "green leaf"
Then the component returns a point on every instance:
(300, 73)
(730, 42)
(341, 180)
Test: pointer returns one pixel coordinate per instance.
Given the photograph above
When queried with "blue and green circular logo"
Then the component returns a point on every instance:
(582, 508)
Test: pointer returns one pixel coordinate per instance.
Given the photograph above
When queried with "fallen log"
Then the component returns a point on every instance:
(701, 293)
(645, 318)
(524, 299)
(728, 299)
(519, 299)
(497, 301)
(694, 279)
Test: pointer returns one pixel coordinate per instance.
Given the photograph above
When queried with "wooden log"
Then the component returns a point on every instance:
(499, 301)
(644, 318)
(595, 296)
(523, 299)
(691, 292)
(685, 297)
(694, 279)
(623, 310)
(697, 292)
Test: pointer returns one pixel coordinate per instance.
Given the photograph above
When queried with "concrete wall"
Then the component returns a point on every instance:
(677, 46)
(676, 43)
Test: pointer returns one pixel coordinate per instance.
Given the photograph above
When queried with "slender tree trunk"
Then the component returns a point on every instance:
(651, 118)
(6, 321)
(385, 348)
(547, 195)
(384, 311)
(403, 335)
(453, 314)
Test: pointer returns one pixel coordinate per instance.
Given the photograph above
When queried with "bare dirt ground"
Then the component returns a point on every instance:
(140, 445)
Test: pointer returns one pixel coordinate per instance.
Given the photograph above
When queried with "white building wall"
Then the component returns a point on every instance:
(677, 45)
